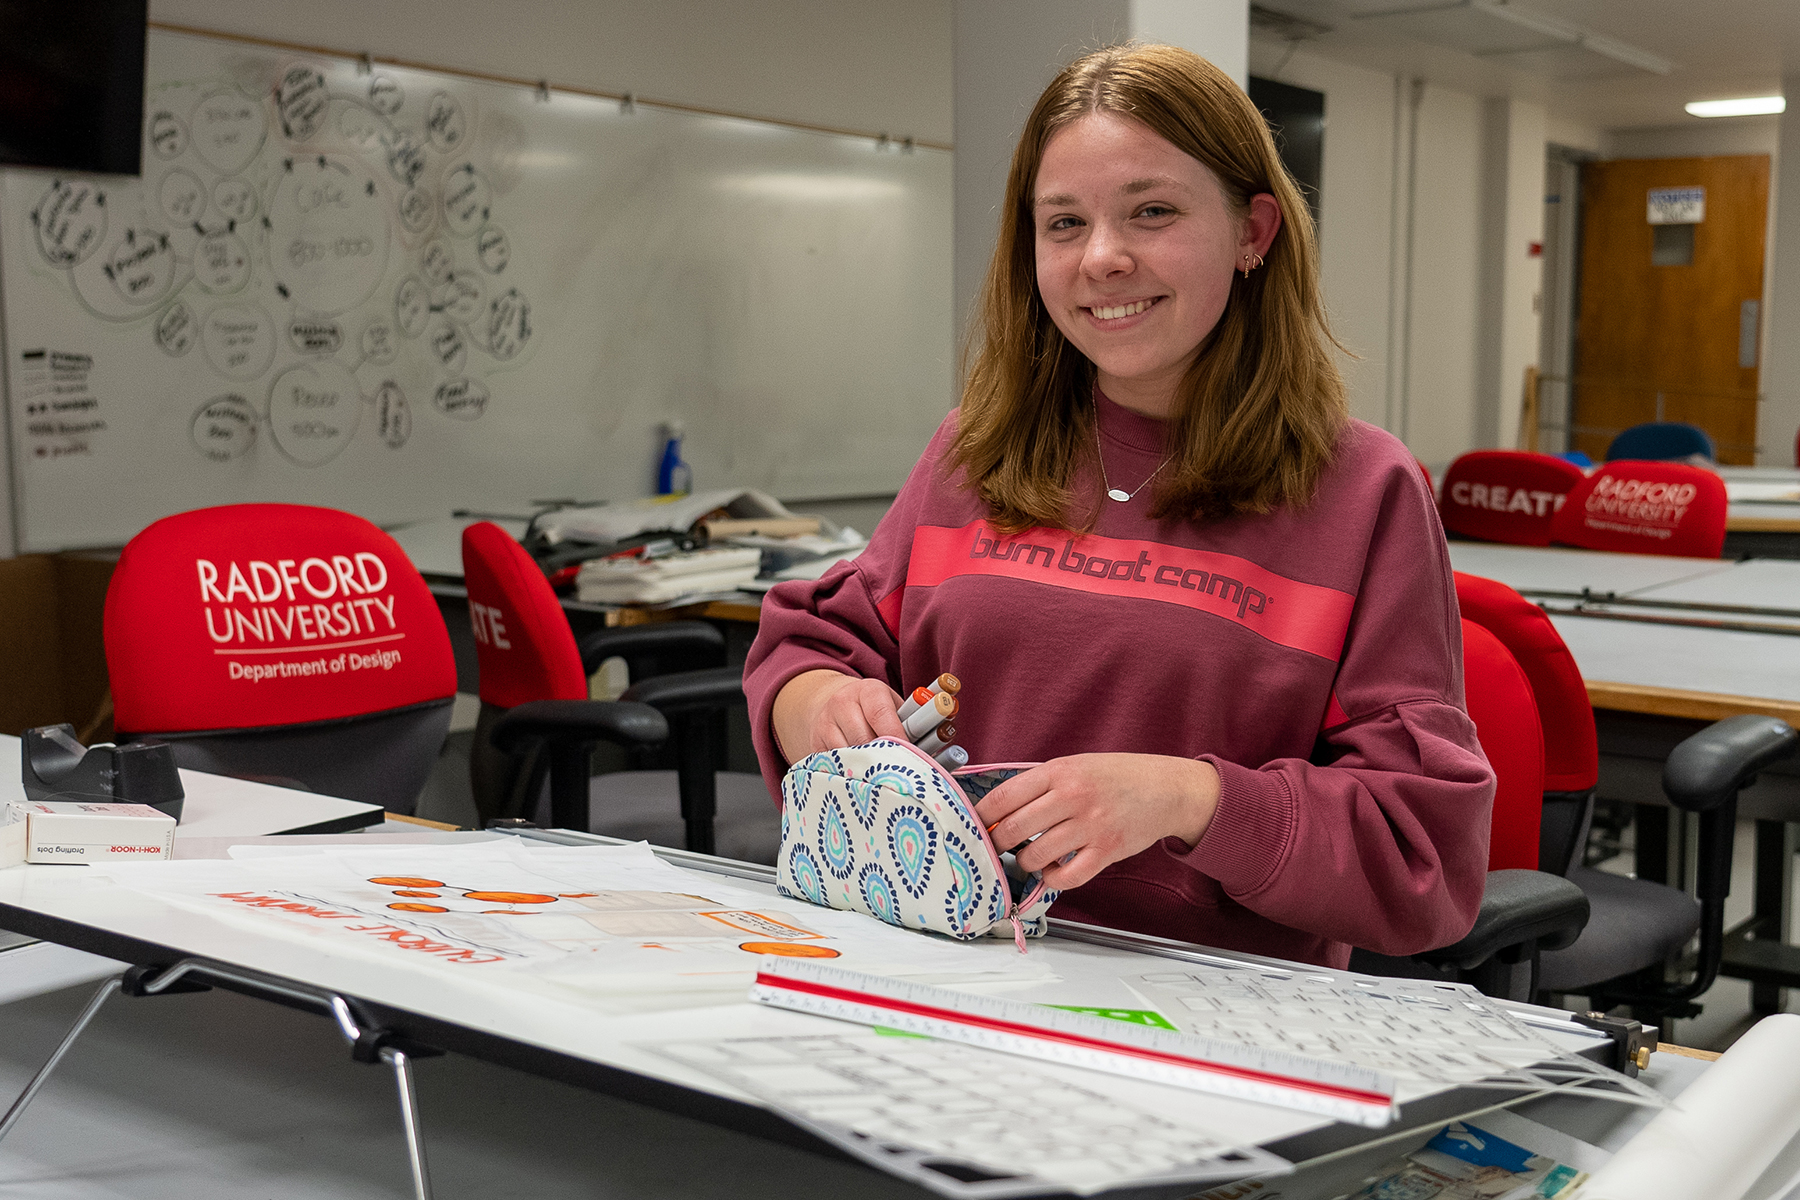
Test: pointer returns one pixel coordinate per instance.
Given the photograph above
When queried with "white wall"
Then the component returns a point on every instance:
(1439, 422)
(1512, 218)
(1575, 135)
(863, 66)
(1697, 139)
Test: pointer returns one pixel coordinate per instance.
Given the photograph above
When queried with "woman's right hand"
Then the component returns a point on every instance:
(828, 710)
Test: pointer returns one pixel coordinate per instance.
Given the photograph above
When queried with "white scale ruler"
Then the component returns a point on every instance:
(1337, 1090)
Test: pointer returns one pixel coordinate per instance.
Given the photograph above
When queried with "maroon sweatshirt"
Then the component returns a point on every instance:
(1313, 655)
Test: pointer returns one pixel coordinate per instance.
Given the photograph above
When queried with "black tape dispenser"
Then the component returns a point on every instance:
(55, 766)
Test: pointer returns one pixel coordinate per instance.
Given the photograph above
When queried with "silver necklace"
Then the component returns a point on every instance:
(1113, 493)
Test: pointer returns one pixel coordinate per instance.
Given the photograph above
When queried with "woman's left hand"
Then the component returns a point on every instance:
(1099, 808)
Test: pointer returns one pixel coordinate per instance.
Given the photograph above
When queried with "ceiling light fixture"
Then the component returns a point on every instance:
(1744, 106)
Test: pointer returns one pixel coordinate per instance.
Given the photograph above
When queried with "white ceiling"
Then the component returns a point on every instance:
(1718, 48)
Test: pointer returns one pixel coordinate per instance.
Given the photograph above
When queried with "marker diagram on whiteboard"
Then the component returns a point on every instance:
(329, 249)
(398, 292)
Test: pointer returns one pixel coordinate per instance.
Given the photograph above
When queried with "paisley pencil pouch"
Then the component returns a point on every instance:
(883, 829)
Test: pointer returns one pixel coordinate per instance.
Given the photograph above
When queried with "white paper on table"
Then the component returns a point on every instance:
(578, 918)
(614, 522)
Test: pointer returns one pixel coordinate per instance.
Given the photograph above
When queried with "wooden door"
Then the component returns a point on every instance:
(1668, 323)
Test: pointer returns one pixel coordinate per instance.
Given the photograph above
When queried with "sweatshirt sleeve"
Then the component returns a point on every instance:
(846, 621)
(1380, 839)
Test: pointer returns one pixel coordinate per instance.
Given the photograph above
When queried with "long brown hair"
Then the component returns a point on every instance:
(1257, 415)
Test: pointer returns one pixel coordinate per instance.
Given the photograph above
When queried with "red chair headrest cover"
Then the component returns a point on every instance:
(1636, 507)
(522, 636)
(1571, 750)
(1506, 495)
(256, 615)
(1506, 722)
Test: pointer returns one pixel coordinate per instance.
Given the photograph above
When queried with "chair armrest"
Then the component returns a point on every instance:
(691, 691)
(1518, 908)
(1712, 766)
(657, 648)
(578, 722)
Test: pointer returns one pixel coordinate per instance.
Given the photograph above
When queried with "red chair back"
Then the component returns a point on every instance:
(1637, 507)
(522, 638)
(1571, 751)
(1506, 722)
(297, 646)
(1506, 495)
(257, 615)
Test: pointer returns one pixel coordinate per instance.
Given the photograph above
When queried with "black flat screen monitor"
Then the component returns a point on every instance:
(1296, 116)
(72, 84)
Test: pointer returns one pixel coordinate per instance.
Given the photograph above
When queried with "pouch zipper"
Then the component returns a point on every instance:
(1014, 907)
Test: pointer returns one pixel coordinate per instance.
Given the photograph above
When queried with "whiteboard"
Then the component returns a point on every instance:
(399, 293)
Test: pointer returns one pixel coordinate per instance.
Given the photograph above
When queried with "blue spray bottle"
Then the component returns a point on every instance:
(673, 476)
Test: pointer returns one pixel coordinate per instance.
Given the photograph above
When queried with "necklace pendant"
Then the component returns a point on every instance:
(1116, 494)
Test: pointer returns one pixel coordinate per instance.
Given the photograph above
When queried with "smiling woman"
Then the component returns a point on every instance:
(1163, 561)
(1144, 175)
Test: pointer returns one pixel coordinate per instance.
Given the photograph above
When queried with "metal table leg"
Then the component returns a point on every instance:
(37, 1081)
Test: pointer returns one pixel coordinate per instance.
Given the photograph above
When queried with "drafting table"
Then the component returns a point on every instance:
(216, 808)
(221, 807)
(1762, 499)
(569, 1040)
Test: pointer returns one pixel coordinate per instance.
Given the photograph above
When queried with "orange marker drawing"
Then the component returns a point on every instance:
(789, 949)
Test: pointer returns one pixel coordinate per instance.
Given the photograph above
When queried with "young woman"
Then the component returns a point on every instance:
(1163, 560)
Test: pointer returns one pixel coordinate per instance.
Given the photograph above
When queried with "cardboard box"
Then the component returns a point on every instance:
(65, 831)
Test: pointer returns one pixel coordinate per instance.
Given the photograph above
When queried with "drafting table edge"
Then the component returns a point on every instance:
(497, 1049)
(686, 1101)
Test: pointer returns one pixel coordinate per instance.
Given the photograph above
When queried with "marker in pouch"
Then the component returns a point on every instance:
(952, 758)
(934, 742)
(930, 716)
(922, 696)
(919, 698)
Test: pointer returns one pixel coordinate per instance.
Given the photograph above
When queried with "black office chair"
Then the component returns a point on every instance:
(1661, 440)
(536, 724)
(1524, 913)
(1637, 927)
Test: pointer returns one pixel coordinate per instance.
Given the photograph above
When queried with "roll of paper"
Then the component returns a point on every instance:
(1722, 1132)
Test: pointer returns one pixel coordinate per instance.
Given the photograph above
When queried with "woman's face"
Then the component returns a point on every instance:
(1135, 250)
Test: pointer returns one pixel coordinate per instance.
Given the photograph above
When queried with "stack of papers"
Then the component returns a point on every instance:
(659, 580)
(606, 523)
